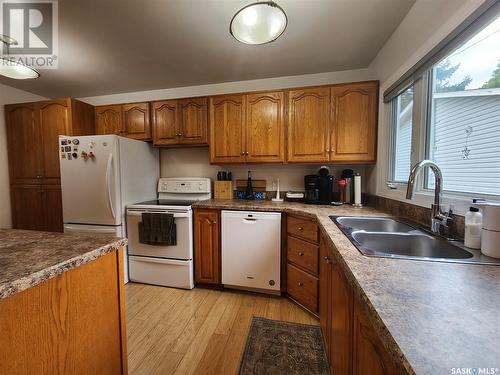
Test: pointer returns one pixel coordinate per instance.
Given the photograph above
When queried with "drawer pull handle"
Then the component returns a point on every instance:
(301, 253)
(300, 283)
(300, 228)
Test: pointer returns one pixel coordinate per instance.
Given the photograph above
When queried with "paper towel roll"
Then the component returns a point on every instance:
(357, 189)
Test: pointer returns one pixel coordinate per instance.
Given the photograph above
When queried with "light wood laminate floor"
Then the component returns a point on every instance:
(199, 331)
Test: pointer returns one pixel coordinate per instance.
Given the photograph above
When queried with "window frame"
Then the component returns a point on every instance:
(459, 202)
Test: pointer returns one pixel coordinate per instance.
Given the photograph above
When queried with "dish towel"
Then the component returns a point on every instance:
(157, 229)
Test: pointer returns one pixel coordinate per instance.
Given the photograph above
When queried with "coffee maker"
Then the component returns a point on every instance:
(319, 187)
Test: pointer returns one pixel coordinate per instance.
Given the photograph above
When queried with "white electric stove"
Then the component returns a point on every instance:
(167, 265)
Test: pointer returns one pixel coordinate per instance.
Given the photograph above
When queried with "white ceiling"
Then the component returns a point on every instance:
(113, 46)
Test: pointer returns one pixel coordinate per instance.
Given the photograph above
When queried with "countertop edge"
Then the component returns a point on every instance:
(36, 278)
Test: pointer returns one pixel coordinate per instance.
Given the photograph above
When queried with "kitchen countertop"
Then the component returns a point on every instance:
(431, 316)
(28, 258)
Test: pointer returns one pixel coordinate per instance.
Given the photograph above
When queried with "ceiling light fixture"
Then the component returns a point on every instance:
(258, 23)
(14, 69)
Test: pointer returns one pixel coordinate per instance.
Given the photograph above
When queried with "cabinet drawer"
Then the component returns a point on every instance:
(303, 254)
(303, 287)
(303, 228)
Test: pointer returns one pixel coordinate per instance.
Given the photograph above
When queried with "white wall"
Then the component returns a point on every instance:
(426, 24)
(8, 95)
(193, 161)
(234, 87)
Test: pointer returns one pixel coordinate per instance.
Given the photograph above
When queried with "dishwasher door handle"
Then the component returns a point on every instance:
(250, 220)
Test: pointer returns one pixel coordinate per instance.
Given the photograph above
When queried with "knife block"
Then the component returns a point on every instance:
(223, 190)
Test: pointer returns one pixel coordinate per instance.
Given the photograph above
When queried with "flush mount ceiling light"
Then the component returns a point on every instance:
(12, 68)
(259, 23)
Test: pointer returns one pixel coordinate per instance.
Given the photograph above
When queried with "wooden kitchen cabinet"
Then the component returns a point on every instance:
(109, 119)
(309, 125)
(136, 123)
(165, 123)
(265, 127)
(207, 253)
(33, 130)
(247, 128)
(227, 129)
(354, 122)
(180, 122)
(127, 120)
(193, 121)
(351, 343)
(369, 354)
(73, 323)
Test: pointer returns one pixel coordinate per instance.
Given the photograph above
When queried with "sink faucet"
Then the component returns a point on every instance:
(440, 219)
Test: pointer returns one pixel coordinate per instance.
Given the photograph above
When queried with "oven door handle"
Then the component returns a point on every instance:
(177, 215)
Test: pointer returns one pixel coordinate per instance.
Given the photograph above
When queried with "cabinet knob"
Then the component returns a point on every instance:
(327, 150)
(300, 283)
(38, 177)
(242, 153)
(214, 222)
(246, 152)
(301, 253)
(300, 228)
(327, 260)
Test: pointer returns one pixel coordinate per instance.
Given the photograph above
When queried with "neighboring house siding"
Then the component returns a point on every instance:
(452, 116)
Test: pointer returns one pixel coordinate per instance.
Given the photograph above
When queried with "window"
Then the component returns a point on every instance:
(459, 112)
(464, 126)
(401, 122)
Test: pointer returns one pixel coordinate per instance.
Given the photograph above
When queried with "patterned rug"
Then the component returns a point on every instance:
(276, 347)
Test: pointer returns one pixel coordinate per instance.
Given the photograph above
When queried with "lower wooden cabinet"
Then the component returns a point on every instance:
(370, 356)
(37, 207)
(302, 287)
(207, 248)
(73, 323)
(351, 343)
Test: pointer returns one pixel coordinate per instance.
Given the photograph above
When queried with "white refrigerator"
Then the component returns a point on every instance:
(100, 176)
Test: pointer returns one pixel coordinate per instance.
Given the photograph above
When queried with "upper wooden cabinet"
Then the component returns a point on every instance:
(108, 119)
(247, 128)
(309, 125)
(128, 120)
(165, 122)
(136, 121)
(193, 120)
(180, 122)
(354, 122)
(265, 127)
(24, 146)
(227, 119)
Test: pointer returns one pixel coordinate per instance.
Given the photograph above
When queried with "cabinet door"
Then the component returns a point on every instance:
(108, 119)
(207, 261)
(308, 125)
(27, 207)
(227, 123)
(325, 293)
(165, 123)
(23, 142)
(193, 120)
(136, 121)
(370, 357)
(52, 200)
(354, 124)
(341, 306)
(265, 127)
(55, 120)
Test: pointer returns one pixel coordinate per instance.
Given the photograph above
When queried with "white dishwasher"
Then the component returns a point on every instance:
(251, 250)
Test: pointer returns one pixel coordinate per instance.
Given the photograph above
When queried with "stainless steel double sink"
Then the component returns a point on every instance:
(395, 238)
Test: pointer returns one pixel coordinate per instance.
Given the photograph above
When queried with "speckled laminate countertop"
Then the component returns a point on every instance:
(28, 258)
(431, 316)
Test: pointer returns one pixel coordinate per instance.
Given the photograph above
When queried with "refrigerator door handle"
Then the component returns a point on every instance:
(108, 185)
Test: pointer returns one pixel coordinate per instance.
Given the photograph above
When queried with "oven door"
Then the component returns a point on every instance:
(184, 248)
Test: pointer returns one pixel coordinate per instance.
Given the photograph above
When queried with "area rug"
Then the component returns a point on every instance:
(276, 347)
